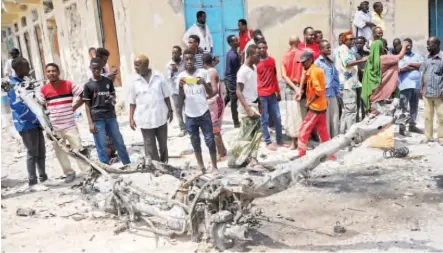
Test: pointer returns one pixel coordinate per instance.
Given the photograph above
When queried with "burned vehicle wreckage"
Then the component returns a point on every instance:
(214, 208)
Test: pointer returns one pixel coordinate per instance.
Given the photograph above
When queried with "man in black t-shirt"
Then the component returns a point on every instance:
(99, 97)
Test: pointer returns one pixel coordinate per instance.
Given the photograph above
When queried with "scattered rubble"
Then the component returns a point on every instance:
(25, 211)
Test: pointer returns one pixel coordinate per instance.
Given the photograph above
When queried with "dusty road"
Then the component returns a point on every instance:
(384, 204)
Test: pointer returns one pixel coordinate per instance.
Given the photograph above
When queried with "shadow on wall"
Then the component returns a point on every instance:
(268, 16)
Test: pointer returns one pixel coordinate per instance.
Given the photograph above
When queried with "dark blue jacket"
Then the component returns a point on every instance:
(22, 116)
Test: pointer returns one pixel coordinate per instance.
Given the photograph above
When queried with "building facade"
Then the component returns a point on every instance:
(62, 31)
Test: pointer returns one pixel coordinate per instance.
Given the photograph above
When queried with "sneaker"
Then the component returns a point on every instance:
(403, 132)
(414, 129)
(70, 178)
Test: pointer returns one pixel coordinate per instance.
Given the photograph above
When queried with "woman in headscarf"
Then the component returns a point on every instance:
(347, 66)
(380, 78)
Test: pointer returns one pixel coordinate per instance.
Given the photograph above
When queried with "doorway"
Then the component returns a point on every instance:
(109, 36)
(436, 18)
(53, 40)
(222, 18)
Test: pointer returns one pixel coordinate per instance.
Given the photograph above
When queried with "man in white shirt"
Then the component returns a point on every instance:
(8, 70)
(194, 86)
(363, 22)
(174, 68)
(200, 29)
(248, 142)
(150, 108)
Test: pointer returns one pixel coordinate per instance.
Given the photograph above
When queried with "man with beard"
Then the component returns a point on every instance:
(201, 30)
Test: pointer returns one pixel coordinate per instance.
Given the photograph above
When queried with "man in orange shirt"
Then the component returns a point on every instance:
(316, 104)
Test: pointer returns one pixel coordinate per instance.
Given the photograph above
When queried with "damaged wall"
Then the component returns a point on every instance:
(77, 32)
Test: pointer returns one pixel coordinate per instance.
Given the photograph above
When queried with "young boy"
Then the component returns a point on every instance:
(269, 94)
(99, 97)
(58, 96)
(28, 126)
(194, 86)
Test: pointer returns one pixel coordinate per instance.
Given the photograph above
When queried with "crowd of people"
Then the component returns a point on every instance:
(327, 90)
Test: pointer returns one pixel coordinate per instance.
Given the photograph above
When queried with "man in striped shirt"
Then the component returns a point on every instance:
(194, 46)
(58, 96)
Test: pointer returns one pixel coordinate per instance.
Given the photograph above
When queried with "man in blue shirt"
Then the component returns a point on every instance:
(332, 87)
(409, 86)
(28, 126)
(232, 67)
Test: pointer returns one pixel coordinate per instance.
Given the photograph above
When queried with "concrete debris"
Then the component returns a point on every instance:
(25, 212)
(339, 229)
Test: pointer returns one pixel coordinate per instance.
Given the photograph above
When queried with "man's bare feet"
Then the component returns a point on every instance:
(283, 145)
(271, 147)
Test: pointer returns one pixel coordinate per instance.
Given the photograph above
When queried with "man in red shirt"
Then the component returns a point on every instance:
(58, 96)
(309, 42)
(245, 34)
(269, 95)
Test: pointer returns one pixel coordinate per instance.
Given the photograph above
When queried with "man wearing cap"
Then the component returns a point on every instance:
(316, 104)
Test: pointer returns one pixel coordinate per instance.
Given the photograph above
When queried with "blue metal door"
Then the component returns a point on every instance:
(436, 18)
(222, 18)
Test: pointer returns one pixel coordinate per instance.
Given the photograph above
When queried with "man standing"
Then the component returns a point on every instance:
(200, 29)
(378, 16)
(92, 52)
(360, 53)
(309, 42)
(363, 22)
(194, 47)
(409, 86)
(58, 96)
(248, 141)
(318, 35)
(174, 68)
(257, 36)
(332, 88)
(194, 87)
(8, 70)
(28, 126)
(269, 94)
(150, 109)
(103, 54)
(232, 67)
(244, 35)
(291, 71)
(316, 102)
(99, 97)
(432, 89)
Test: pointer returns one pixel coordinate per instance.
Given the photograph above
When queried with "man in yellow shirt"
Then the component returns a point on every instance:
(378, 17)
(316, 104)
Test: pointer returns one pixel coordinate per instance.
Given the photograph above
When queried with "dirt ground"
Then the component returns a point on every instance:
(384, 204)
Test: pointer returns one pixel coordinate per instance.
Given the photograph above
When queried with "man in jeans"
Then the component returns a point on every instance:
(269, 94)
(28, 126)
(332, 88)
(150, 108)
(232, 67)
(432, 89)
(409, 86)
(58, 96)
(174, 68)
(99, 97)
(194, 87)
